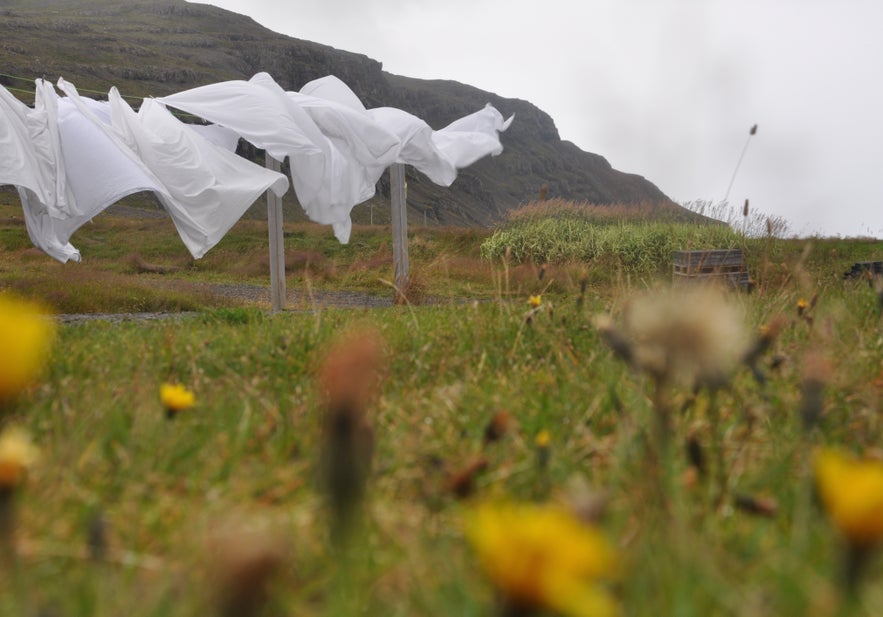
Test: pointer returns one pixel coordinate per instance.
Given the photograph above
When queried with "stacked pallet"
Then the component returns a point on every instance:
(715, 265)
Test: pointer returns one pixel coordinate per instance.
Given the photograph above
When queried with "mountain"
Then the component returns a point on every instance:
(157, 47)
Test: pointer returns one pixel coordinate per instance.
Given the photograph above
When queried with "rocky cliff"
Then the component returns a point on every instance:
(156, 47)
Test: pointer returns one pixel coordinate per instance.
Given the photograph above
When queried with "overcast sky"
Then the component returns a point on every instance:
(667, 89)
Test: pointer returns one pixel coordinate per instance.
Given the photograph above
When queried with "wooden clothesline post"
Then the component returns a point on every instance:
(398, 191)
(398, 202)
(277, 243)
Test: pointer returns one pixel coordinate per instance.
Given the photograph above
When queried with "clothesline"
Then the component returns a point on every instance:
(71, 157)
(98, 92)
(29, 80)
(11, 89)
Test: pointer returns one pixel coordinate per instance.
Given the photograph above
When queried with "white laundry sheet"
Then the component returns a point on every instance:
(71, 157)
(29, 148)
(105, 151)
(337, 149)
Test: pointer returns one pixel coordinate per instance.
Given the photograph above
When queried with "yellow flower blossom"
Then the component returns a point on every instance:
(851, 492)
(535, 301)
(802, 305)
(542, 557)
(543, 438)
(17, 454)
(26, 336)
(176, 397)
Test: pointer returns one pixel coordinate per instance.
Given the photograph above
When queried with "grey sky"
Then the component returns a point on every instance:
(667, 89)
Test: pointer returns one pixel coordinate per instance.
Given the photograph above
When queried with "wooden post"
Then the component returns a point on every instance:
(398, 196)
(277, 245)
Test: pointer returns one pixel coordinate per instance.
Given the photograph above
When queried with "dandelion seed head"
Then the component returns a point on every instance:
(691, 336)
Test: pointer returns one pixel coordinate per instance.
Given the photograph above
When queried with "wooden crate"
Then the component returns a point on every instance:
(721, 265)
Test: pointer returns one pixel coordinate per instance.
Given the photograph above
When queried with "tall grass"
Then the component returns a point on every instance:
(560, 232)
(747, 221)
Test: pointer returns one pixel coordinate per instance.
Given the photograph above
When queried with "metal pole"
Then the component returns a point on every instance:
(398, 196)
(277, 245)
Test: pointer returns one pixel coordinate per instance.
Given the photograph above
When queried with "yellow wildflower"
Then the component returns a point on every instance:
(175, 398)
(542, 442)
(851, 492)
(542, 557)
(535, 301)
(802, 305)
(17, 454)
(26, 336)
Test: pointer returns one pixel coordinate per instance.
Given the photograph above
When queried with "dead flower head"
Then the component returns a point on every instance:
(693, 336)
(349, 380)
(244, 563)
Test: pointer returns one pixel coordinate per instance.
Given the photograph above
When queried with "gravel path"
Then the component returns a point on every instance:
(299, 299)
(296, 300)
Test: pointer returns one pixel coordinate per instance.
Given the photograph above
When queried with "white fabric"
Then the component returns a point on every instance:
(472, 137)
(417, 146)
(72, 157)
(75, 187)
(337, 149)
(19, 163)
(29, 148)
(326, 184)
(204, 188)
(221, 136)
(259, 114)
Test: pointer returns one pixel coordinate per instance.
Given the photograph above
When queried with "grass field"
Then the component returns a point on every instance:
(482, 397)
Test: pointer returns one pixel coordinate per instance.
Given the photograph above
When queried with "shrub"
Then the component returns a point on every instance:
(561, 232)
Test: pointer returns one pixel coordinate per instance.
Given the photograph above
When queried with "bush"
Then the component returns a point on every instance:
(563, 232)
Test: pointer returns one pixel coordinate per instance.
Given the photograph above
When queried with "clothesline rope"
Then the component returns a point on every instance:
(133, 97)
(11, 89)
(25, 79)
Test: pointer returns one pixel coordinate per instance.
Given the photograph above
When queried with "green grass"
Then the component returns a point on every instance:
(245, 458)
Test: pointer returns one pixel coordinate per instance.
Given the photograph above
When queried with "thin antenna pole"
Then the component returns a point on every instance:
(751, 133)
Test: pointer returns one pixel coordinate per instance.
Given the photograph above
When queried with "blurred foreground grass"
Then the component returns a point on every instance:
(245, 457)
(129, 512)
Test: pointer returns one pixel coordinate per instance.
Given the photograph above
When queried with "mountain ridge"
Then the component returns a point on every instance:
(157, 47)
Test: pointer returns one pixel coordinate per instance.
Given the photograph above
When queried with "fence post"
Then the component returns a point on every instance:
(277, 245)
(398, 190)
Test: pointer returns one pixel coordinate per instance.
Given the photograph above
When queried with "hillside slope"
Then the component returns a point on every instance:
(156, 47)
